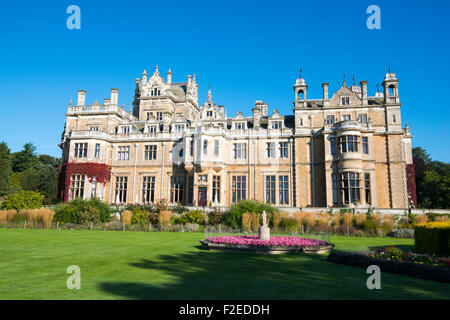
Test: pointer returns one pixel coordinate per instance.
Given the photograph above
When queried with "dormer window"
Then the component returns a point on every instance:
(239, 125)
(152, 129)
(179, 127)
(126, 129)
(94, 128)
(345, 101)
(209, 113)
(155, 92)
(277, 124)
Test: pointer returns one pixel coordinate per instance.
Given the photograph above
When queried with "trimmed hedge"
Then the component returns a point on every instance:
(432, 238)
(416, 270)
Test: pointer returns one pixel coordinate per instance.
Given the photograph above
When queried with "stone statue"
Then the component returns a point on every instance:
(264, 219)
(264, 231)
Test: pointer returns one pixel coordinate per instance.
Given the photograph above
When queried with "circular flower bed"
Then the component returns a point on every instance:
(274, 245)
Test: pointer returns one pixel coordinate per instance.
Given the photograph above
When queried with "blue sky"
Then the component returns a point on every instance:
(248, 50)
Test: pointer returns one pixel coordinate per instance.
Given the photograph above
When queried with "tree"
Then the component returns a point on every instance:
(24, 159)
(5, 169)
(432, 181)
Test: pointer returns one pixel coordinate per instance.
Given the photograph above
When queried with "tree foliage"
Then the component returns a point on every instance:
(23, 200)
(432, 181)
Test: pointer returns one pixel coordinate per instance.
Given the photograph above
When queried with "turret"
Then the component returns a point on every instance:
(81, 97)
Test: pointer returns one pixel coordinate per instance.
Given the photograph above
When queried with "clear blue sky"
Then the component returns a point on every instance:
(248, 50)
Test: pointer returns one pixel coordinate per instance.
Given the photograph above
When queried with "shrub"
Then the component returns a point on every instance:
(82, 211)
(179, 209)
(360, 219)
(388, 224)
(439, 217)
(421, 219)
(23, 200)
(432, 237)
(164, 218)
(193, 217)
(139, 216)
(250, 221)
(126, 217)
(215, 217)
(233, 217)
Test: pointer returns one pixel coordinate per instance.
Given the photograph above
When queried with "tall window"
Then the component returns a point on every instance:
(216, 189)
(191, 148)
(346, 117)
(270, 150)
(335, 188)
(333, 145)
(123, 153)
(81, 150)
(121, 189)
(148, 189)
(216, 147)
(150, 152)
(270, 189)
(209, 113)
(77, 186)
(159, 116)
(367, 188)
(205, 147)
(94, 187)
(97, 150)
(350, 187)
(283, 188)
(126, 129)
(177, 187)
(240, 151)
(283, 149)
(365, 145)
(348, 143)
(239, 188)
(239, 125)
(179, 127)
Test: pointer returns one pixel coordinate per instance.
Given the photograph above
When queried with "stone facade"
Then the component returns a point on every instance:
(346, 150)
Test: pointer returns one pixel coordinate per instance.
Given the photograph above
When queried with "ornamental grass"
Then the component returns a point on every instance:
(347, 219)
(421, 218)
(323, 222)
(164, 218)
(37, 217)
(360, 219)
(250, 221)
(126, 217)
(7, 215)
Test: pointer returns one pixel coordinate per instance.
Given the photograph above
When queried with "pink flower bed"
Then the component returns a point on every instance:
(273, 242)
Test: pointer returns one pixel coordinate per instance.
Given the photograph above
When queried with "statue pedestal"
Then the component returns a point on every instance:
(264, 233)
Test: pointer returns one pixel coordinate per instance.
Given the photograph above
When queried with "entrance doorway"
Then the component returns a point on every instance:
(202, 196)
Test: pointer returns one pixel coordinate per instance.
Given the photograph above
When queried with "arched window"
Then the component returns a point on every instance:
(391, 91)
(301, 95)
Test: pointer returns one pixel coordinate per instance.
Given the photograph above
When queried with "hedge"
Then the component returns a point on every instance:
(417, 270)
(432, 238)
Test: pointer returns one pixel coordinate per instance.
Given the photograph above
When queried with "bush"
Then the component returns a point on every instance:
(139, 216)
(215, 217)
(23, 200)
(233, 217)
(179, 209)
(432, 238)
(194, 217)
(83, 211)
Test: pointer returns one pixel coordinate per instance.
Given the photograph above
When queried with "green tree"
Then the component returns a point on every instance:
(5, 169)
(24, 159)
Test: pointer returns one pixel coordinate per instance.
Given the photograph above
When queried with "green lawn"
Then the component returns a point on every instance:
(165, 265)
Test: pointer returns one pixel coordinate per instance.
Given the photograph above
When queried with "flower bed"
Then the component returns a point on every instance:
(274, 245)
(414, 269)
(396, 254)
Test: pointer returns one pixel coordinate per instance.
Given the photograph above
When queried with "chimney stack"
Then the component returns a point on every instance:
(325, 94)
(114, 96)
(81, 97)
(144, 77)
(169, 77)
(364, 92)
(189, 80)
(107, 101)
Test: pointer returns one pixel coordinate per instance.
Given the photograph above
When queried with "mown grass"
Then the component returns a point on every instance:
(169, 265)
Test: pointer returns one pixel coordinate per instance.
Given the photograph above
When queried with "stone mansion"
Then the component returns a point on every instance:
(346, 150)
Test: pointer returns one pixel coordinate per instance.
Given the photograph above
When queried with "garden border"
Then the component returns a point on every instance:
(362, 260)
(264, 250)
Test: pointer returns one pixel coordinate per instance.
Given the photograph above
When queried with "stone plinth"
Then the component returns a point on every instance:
(264, 233)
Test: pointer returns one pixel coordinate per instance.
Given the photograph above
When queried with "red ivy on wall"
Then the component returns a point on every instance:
(100, 171)
(411, 184)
